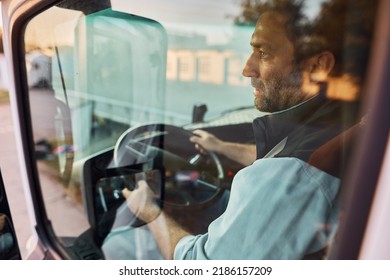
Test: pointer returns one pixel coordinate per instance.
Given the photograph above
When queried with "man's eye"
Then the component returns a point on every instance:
(263, 54)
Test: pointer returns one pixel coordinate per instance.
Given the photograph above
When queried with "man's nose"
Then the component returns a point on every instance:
(251, 68)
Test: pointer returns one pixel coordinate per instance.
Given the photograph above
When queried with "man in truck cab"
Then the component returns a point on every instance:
(285, 204)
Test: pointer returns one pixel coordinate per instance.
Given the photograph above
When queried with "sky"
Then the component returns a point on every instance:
(197, 8)
(206, 14)
(192, 11)
(312, 6)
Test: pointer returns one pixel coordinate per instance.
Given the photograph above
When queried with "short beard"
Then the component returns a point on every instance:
(279, 93)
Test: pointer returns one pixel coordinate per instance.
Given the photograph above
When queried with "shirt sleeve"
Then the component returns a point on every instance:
(279, 208)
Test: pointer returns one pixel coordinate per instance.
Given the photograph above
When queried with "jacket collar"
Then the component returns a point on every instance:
(306, 126)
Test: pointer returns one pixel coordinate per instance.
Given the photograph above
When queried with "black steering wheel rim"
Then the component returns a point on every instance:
(163, 139)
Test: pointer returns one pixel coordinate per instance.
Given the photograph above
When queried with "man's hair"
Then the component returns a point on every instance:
(343, 27)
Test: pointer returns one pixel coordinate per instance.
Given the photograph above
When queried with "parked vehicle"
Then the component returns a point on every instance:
(120, 88)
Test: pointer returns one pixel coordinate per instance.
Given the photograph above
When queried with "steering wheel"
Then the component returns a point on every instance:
(188, 179)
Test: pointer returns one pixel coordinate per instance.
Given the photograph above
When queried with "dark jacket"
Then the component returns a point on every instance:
(301, 130)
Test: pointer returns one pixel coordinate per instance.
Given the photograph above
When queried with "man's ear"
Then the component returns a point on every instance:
(325, 62)
(317, 69)
(320, 66)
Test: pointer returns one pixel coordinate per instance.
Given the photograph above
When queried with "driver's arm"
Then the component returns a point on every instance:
(165, 230)
(244, 154)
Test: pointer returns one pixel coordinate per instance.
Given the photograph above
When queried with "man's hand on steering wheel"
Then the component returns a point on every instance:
(205, 141)
(142, 200)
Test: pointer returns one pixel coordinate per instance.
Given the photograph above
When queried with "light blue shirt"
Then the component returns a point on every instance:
(279, 208)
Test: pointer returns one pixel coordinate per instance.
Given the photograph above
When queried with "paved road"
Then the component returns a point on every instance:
(9, 165)
(67, 217)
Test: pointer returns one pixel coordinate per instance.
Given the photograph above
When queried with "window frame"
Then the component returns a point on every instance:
(362, 179)
(364, 170)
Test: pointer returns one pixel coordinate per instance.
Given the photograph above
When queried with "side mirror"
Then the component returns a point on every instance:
(103, 187)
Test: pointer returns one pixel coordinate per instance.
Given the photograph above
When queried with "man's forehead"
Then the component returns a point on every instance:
(270, 27)
(260, 43)
(276, 18)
